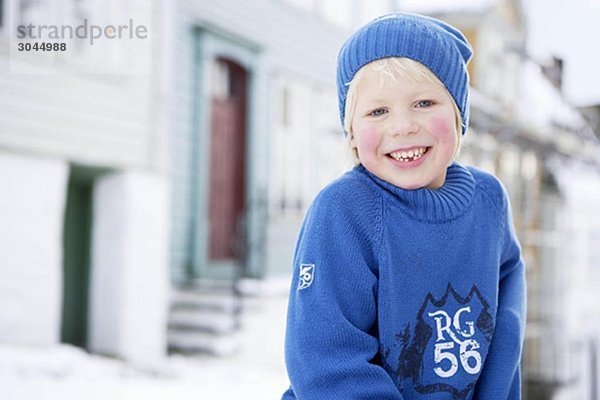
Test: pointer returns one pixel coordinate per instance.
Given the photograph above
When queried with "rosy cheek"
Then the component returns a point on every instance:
(441, 128)
(367, 140)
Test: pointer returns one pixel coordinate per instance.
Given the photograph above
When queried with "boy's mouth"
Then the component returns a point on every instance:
(408, 155)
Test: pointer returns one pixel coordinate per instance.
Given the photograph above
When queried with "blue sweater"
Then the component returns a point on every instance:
(407, 294)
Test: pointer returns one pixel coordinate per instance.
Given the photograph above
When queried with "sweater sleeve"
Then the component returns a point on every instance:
(331, 347)
(501, 375)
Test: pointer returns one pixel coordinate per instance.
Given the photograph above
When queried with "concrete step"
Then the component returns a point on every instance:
(187, 299)
(204, 320)
(191, 342)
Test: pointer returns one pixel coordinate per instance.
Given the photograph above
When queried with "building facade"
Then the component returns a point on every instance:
(84, 189)
(524, 131)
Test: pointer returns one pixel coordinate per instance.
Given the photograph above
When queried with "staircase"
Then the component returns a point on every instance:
(205, 318)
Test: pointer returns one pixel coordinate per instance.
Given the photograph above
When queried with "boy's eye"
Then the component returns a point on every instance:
(424, 103)
(377, 112)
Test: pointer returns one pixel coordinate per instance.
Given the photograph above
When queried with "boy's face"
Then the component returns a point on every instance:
(404, 131)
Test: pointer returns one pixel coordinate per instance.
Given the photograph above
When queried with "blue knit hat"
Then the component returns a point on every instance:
(440, 47)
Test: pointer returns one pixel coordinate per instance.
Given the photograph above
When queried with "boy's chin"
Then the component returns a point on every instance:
(415, 182)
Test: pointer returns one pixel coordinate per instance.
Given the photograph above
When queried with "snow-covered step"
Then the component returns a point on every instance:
(188, 299)
(203, 320)
(204, 317)
(202, 342)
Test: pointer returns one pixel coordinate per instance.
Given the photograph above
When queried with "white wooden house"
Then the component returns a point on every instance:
(84, 193)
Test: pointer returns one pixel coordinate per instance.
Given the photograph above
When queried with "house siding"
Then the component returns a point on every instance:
(64, 114)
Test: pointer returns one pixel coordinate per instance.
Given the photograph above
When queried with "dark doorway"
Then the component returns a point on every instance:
(228, 163)
(76, 258)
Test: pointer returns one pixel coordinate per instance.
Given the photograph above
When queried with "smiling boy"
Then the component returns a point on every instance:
(408, 279)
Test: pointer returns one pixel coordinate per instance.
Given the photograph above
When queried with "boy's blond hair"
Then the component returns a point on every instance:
(390, 69)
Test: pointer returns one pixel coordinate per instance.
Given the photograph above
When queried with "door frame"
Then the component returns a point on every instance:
(211, 44)
(77, 242)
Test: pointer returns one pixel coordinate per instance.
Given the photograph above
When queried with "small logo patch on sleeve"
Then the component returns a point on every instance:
(307, 275)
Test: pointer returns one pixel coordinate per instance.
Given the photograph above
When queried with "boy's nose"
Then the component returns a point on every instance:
(404, 124)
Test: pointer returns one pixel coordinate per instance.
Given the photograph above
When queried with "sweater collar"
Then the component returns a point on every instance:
(434, 205)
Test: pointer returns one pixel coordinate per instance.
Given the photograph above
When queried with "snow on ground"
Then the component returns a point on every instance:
(65, 372)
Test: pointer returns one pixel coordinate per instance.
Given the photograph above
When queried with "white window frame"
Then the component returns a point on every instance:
(290, 156)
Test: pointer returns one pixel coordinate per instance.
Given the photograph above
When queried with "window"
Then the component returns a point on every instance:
(285, 106)
(308, 147)
(117, 52)
(102, 54)
(290, 152)
(594, 254)
(530, 189)
(221, 80)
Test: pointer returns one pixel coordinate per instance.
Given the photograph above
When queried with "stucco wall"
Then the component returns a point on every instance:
(32, 199)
